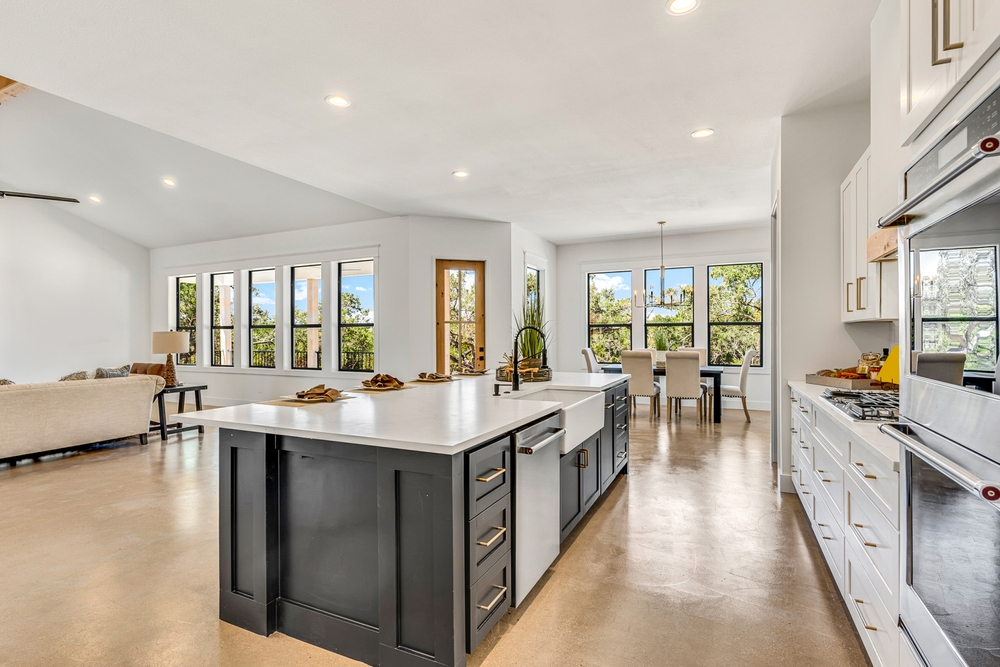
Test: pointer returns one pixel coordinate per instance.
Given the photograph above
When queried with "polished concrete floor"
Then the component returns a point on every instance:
(110, 558)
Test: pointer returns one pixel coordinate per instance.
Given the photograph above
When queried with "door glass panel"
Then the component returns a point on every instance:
(461, 324)
(955, 562)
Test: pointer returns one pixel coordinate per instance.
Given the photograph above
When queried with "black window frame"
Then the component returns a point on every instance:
(251, 327)
(996, 292)
(341, 325)
(538, 281)
(192, 330)
(222, 327)
(294, 326)
(591, 327)
(646, 324)
(759, 325)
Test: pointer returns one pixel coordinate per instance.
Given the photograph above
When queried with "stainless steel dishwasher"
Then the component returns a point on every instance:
(536, 503)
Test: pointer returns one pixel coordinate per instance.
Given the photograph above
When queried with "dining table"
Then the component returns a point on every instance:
(714, 372)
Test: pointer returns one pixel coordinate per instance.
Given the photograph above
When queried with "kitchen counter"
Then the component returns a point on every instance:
(868, 431)
(445, 418)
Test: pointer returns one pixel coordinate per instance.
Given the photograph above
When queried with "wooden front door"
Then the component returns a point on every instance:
(461, 315)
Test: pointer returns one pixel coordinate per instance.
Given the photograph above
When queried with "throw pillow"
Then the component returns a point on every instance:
(120, 372)
(79, 375)
(4, 382)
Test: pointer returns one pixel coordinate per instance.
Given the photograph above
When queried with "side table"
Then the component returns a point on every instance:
(162, 426)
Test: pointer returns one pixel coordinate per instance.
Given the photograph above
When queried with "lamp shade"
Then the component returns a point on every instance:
(170, 342)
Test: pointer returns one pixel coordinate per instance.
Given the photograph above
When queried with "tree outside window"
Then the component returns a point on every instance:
(307, 317)
(357, 315)
(958, 304)
(609, 330)
(675, 325)
(262, 318)
(735, 313)
(223, 311)
(186, 311)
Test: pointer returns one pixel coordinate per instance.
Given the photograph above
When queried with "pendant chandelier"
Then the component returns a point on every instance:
(662, 300)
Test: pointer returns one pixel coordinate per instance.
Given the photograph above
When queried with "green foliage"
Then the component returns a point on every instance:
(462, 318)
(660, 341)
(187, 316)
(357, 344)
(735, 297)
(531, 343)
(606, 308)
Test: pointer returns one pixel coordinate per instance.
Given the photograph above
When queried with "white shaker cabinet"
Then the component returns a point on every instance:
(945, 42)
(867, 288)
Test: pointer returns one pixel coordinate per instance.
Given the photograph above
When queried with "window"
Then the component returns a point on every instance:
(223, 307)
(532, 284)
(609, 314)
(357, 315)
(735, 313)
(461, 316)
(262, 318)
(186, 315)
(671, 327)
(958, 304)
(307, 317)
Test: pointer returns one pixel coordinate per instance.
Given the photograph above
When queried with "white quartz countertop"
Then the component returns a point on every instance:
(444, 418)
(868, 431)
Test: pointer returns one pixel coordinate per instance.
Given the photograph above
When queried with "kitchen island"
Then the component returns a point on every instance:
(378, 527)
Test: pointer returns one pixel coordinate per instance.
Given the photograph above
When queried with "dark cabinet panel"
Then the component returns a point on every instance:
(488, 476)
(570, 506)
(489, 538)
(606, 445)
(590, 482)
(489, 598)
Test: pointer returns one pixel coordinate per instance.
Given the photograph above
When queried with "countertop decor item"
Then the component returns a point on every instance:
(433, 377)
(383, 381)
(317, 394)
(170, 343)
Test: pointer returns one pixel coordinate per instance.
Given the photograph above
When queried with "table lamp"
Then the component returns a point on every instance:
(170, 343)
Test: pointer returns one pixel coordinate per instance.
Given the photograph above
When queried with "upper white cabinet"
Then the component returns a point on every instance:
(945, 42)
(868, 289)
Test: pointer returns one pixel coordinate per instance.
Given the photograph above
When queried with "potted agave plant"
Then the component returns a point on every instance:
(661, 345)
(531, 343)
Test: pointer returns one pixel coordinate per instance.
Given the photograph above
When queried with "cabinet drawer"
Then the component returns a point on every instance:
(621, 401)
(874, 538)
(489, 598)
(489, 538)
(803, 408)
(835, 437)
(873, 621)
(830, 477)
(488, 474)
(803, 489)
(877, 478)
(831, 538)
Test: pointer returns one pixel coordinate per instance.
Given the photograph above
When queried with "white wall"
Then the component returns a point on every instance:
(405, 249)
(636, 255)
(528, 249)
(72, 295)
(818, 149)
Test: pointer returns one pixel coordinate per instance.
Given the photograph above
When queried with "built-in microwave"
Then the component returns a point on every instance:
(948, 244)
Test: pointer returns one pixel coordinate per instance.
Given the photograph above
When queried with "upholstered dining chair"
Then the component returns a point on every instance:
(703, 352)
(733, 391)
(591, 359)
(683, 379)
(639, 364)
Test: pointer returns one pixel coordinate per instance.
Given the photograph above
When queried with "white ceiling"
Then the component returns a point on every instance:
(573, 117)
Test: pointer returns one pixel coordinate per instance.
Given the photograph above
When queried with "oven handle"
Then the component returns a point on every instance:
(988, 491)
(985, 147)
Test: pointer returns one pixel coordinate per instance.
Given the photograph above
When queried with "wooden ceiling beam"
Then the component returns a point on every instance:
(9, 89)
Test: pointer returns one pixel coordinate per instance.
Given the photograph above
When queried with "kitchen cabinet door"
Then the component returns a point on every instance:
(570, 497)
(848, 249)
(606, 444)
(866, 274)
(590, 480)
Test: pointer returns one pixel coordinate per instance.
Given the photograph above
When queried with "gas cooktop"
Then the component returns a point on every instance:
(865, 405)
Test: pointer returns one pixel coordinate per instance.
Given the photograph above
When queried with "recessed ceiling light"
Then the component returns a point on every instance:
(338, 101)
(461, 173)
(678, 7)
(702, 133)
(95, 199)
(169, 182)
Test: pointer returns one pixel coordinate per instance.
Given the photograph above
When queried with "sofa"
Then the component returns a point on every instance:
(55, 416)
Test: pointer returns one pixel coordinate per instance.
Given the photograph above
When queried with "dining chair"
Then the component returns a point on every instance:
(703, 352)
(941, 366)
(639, 364)
(733, 391)
(591, 359)
(683, 379)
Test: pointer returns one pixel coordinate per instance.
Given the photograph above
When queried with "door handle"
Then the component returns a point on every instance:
(493, 539)
(847, 297)
(936, 59)
(503, 591)
(857, 533)
(948, 44)
(857, 291)
(499, 471)
(586, 459)
(531, 449)
(857, 605)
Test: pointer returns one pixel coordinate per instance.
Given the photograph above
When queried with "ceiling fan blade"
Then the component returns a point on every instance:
(28, 195)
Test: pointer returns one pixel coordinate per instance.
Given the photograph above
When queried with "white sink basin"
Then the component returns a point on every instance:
(582, 414)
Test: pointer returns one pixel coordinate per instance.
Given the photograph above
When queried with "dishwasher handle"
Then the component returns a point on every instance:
(554, 435)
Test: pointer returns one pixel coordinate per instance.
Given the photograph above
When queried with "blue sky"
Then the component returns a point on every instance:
(363, 287)
(620, 282)
(266, 297)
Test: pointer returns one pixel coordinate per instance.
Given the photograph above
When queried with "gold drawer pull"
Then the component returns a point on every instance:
(609, 406)
(859, 466)
(827, 538)
(499, 471)
(493, 539)
(621, 455)
(503, 591)
(803, 446)
(857, 605)
(854, 527)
